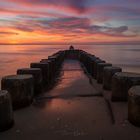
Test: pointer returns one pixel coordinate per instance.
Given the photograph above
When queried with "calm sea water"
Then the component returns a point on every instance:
(13, 57)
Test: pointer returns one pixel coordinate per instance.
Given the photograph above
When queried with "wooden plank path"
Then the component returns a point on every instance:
(73, 109)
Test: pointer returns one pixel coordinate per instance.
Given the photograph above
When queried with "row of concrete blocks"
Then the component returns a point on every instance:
(124, 86)
(18, 90)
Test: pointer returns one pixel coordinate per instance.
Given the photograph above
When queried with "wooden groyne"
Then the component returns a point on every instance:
(19, 90)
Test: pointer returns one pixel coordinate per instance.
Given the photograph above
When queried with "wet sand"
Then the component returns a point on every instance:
(76, 108)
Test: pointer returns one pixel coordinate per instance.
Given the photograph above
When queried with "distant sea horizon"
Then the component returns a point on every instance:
(73, 43)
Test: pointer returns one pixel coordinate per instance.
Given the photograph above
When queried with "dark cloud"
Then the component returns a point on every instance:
(80, 25)
(124, 10)
(69, 23)
(77, 5)
(120, 29)
(24, 27)
(8, 33)
(70, 26)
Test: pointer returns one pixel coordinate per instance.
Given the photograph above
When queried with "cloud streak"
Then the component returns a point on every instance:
(8, 33)
(81, 26)
(45, 20)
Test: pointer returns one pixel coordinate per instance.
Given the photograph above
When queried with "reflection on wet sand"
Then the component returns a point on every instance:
(69, 116)
(73, 82)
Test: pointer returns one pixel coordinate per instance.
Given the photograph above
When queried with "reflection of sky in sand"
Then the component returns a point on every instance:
(57, 105)
(72, 83)
(78, 113)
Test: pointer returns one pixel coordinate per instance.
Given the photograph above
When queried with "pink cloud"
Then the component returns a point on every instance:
(75, 6)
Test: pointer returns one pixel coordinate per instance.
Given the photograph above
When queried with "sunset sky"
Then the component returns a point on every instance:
(69, 21)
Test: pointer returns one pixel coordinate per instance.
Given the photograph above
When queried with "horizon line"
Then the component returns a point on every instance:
(103, 43)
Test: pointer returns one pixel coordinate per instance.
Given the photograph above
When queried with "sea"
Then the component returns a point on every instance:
(13, 57)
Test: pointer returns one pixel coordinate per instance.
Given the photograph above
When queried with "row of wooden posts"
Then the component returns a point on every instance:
(19, 90)
(124, 86)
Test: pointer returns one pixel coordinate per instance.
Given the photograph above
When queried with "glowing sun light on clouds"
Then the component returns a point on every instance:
(69, 21)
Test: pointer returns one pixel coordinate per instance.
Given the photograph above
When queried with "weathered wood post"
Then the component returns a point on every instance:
(45, 71)
(53, 60)
(6, 112)
(107, 76)
(96, 62)
(20, 88)
(89, 59)
(121, 83)
(134, 105)
(93, 59)
(37, 75)
(100, 69)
